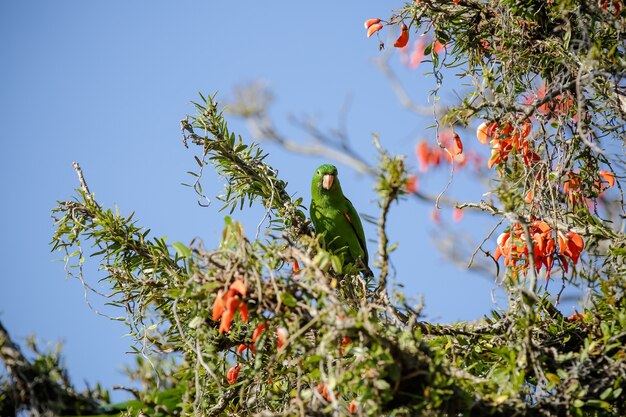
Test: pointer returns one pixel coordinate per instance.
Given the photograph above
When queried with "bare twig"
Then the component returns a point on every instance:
(83, 183)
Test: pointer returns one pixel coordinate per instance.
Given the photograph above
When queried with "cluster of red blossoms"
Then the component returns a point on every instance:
(281, 339)
(326, 392)
(560, 105)
(432, 156)
(226, 305)
(572, 187)
(512, 246)
(506, 139)
(374, 25)
(617, 6)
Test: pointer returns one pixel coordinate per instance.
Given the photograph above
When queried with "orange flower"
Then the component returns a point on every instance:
(571, 245)
(233, 374)
(418, 53)
(218, 306)
(243, 310)
(282, 335)
(232, 304)
(512, 245)
(434, 215)
(608, 177)
(225, 306)
(411, 184)
(559, 105)
(564, 263)
(242, 347)
(572, 187)
(295, 267)
(502, 247)
(423, 154)
(529, 197)
(457, 215)
(323, 389)
(370, 22)
(505, 139)
(239, 287)
(352, 407)
(373, 29)
(438, 47)
(258, 331)
(577, 317)
(485, 131)
(403, 39)
(458, 145)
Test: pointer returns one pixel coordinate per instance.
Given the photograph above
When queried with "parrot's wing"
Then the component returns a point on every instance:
(355, 222)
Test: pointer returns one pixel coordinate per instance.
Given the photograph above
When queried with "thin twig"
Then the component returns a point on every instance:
(83, 183)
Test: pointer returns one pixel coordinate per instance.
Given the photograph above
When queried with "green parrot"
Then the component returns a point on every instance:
(335, 219)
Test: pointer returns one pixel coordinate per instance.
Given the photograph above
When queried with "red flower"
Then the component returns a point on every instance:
(225, 306)
(258, 331)
(577, 317)
(411, 184)
(571, 245)
(438, 47)
(352, 407)
(458, 145)
(218, 306)
(324, 390)
(242, 347)
(608, 177)
(418, 53)
(572, 187)
(434, 215)
(373, 29)
(370, 22)
(282, 335)
(507, 139)
(233, 374)
(512, 246)
(457, 215)
(238, 287)
(485, 131)
(403, 39)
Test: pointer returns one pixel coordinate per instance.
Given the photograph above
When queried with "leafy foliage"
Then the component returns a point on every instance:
(268, 326)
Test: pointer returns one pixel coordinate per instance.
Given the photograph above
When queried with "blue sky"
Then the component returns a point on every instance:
(106, 83)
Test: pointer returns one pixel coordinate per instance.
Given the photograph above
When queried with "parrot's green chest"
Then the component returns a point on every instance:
(335, 231)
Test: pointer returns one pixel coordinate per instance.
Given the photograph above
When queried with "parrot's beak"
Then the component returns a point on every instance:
(327, 181)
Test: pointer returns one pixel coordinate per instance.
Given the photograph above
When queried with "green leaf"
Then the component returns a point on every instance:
(381, 384)
(288, 299)
(196, 322)
(606, 393)
(336, 263)
(182, 250)
(553, 378)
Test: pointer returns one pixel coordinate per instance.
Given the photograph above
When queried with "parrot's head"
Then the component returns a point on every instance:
(325, 178)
